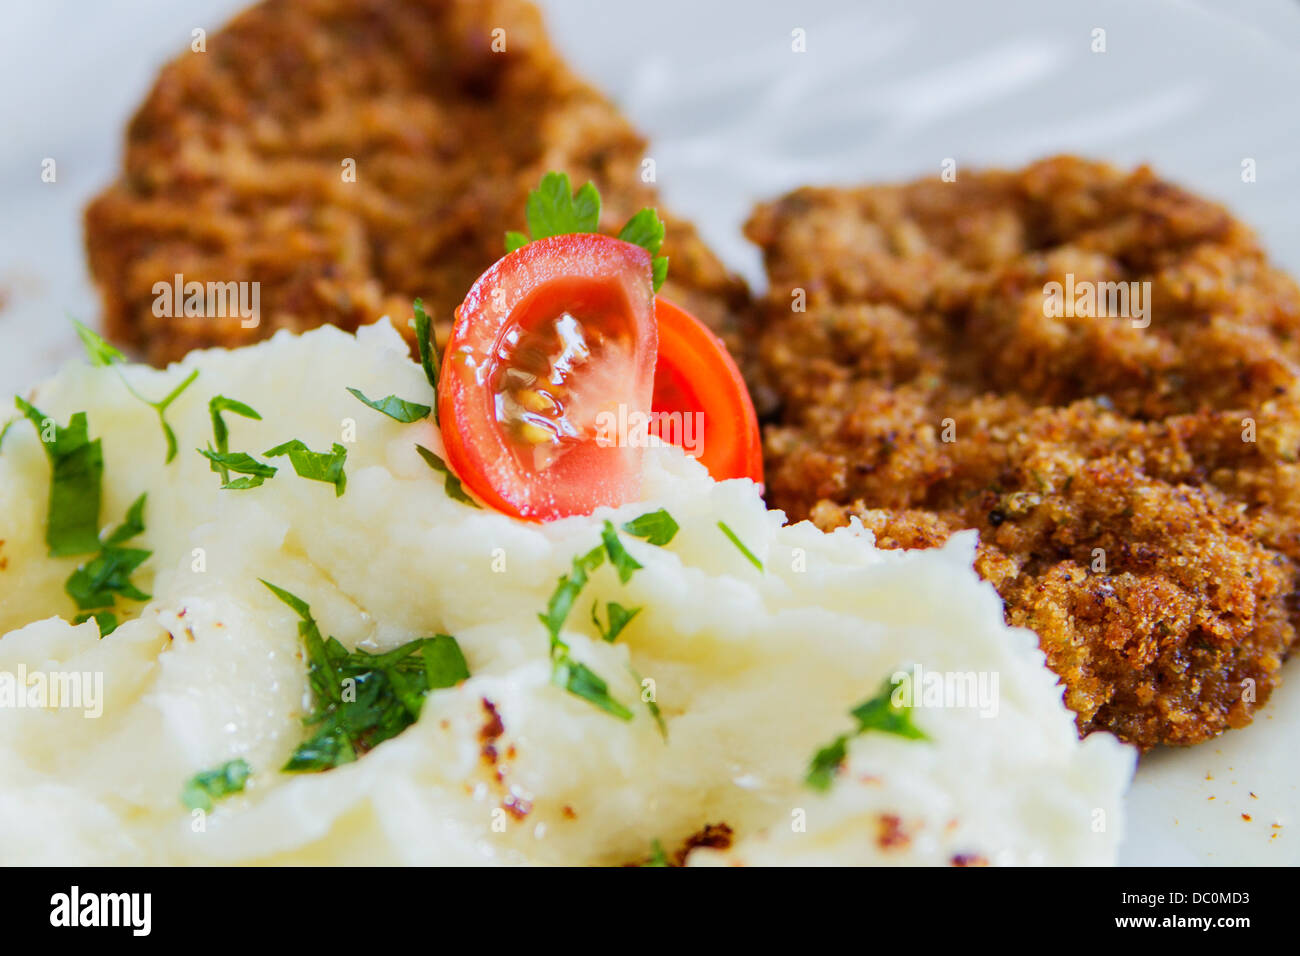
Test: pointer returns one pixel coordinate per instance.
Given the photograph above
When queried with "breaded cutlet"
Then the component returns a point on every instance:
(1136, 489)
(236, 170)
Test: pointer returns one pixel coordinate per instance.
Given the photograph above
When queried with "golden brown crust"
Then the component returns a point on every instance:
(233, 169)
(1075, 441)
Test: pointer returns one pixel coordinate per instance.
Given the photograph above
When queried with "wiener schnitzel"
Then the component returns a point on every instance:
(1134, 480)
(352, 155)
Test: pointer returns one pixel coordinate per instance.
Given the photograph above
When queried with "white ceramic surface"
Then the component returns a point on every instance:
(885, 90)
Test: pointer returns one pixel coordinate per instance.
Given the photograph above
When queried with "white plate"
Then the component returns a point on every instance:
(884, 91)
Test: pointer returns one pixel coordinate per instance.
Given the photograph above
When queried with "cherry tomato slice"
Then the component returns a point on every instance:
(700, 400)
(552, 351)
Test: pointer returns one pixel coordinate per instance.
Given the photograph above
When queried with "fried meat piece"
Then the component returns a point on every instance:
(352, 155)
(1136, 489)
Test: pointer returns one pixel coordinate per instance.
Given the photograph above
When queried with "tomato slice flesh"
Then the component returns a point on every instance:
(550, 342)
(700, 399)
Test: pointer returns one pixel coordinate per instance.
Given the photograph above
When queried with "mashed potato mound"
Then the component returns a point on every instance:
(754, 671)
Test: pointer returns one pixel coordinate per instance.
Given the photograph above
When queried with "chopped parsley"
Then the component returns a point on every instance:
(398, 409)
(76, 474)
(221, 433)
(450, 483)
(97, 584)
(362, 699)
(580, 680)
(740, 545)
(877, 714)
(428, 350)
(238, 461)
(566, 592)
(210, 785)
(103, 355)
(657, 855)
(618, 616)
(554, 210)
(618, 556)
(657, 527)
(326, 466)
(574, 676)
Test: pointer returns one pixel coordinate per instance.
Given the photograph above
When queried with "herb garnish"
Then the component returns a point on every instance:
(553, 210)
(657, 527)
(740, 545)
(618, 556)
(210, 785)
(451, 484)
(221, 435)
(876, 713)
(363, 699)
(102, 355)
(619, 617)
(241, 462)
(578, 679)
(96, 585)
(398, 409)
(76, 473)
(572, 675)
(428, 351)
(326, 466)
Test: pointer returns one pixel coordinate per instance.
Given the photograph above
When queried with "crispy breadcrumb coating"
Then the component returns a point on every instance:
(1136, 490)
(235, 169)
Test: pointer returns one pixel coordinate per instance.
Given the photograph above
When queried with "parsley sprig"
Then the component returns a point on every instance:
(363, 699)
(326, 466)
(223, 460)
(876, 713)
(97, 584)
(553, 209)
(103, 355)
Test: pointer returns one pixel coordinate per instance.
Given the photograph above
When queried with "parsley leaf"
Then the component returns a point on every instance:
(580, 680)
(657, 527)
(241, 462)
(428, 349)
(657, 855)
(619, 617)
(740, 546)
(326, 466)
(566, 592)
(646, 230)
(76, 476)
(96, 585)
(876, 713)
(826, 763)
(362, 699)
(210, 785)
(451, 484)
(618, 556)
(552, 210)
(395, 408)
(574, 676)
(221, 434)
(102, 355)
(106, 621)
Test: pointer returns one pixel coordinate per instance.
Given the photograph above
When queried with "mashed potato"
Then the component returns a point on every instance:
(754, 671)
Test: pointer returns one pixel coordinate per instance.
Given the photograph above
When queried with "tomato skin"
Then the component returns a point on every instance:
(525, 289)
(696, 374)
